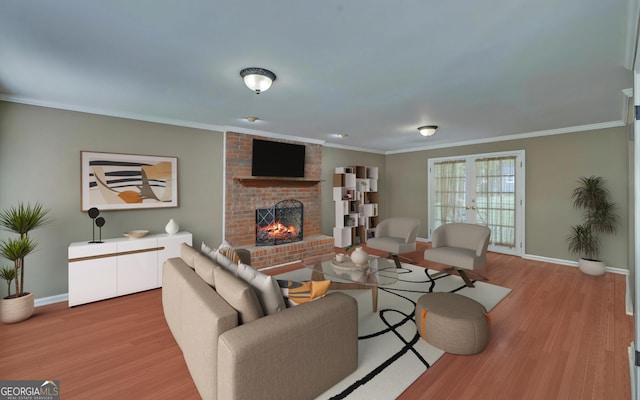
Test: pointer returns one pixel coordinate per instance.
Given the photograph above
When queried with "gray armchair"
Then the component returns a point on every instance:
(395, 235)
(462, 246)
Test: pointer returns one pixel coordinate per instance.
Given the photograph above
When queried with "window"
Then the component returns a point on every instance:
(483, 189)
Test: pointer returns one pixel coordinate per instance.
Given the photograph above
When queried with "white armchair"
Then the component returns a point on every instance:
(395, 235)
(462, 246)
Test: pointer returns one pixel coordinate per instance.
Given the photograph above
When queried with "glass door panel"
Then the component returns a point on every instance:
(480, 189)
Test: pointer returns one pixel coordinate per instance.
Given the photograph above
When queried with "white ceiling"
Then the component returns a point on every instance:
(374, 69)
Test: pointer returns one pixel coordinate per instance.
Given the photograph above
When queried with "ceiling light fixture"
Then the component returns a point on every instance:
(251, 119)
(258, 79)
(342, 135)
(428, 130)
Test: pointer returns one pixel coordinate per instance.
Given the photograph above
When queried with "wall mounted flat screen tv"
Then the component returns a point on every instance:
(277, 159)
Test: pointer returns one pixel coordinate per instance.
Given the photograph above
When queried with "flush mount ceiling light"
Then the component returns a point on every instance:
(342, 135)
(258, 79)
(427, 130)
(251, 119)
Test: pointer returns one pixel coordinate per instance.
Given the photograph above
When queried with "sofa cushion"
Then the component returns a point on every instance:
(187, 253)
(459, 257)
(266, 288)
(204, 267)
(303, 292)
(239, 294)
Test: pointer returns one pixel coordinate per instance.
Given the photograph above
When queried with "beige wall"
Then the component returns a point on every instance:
(553, 165)
(40, 161)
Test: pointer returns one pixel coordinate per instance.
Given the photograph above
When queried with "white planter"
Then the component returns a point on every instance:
(16, 310)
(592, 267)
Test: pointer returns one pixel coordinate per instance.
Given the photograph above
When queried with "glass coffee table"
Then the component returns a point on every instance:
(345, 275)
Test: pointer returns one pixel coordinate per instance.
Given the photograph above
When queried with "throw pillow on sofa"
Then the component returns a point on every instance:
(209, 252)
(227, 251)
(218, 258)
(303, 292)
(266, 288)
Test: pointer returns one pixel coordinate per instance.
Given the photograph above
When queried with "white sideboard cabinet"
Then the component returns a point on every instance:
(99, 271)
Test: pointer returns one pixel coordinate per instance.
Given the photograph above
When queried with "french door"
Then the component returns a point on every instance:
(484, 189)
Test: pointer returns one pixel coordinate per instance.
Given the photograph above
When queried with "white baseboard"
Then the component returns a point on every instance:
(43, 301)
(621, 271)
(550, 260)
(615, 270)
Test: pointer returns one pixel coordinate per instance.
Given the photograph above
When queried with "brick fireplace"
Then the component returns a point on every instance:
(245, 194)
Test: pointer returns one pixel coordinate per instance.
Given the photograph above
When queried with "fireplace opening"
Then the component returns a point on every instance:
(280, 224)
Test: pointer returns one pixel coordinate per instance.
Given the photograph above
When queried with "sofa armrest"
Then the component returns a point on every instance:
(297, 353)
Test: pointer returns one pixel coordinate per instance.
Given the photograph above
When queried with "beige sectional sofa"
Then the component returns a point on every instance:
(234, 351)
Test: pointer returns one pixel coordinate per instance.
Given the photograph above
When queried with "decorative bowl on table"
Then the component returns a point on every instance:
(136, 234)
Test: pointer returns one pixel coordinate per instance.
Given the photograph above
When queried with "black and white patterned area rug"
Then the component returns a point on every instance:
(391, 353)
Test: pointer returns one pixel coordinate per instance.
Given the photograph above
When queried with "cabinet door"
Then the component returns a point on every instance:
(137, 265)
(92, 273)
(169, 247)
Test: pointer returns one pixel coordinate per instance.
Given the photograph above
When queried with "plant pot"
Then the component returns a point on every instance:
(592, 267)
(16, 309)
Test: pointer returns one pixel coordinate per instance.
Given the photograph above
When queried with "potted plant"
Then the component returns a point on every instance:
(8, 274)
(20, 220)
(599, 217)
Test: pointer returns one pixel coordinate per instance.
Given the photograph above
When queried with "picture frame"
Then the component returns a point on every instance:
(118, 181)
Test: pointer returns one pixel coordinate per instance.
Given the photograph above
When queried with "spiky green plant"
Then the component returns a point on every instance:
(8, 274)
(21, 220)
(599, 217)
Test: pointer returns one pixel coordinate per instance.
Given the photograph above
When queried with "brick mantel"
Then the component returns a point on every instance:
(245, 194)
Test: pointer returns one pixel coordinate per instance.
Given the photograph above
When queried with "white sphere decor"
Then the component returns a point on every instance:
(359, 256)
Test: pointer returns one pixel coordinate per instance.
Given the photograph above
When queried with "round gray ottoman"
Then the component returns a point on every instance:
(452, 322)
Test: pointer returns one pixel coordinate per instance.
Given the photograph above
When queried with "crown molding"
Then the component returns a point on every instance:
(219, 128)
(354, 148)
(527, 135)
(631, 33)
(112, 113)
(272, 135)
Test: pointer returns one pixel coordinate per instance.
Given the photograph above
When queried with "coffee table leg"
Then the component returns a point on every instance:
(316, 273)
(356, 286)
(374, 298)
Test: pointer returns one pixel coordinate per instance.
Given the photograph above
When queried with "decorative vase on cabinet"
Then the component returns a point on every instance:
(172, 227)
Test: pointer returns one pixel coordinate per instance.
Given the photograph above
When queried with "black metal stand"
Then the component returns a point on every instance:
(461, 272)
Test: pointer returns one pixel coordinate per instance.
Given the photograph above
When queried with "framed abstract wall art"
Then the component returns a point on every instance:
(114, 181)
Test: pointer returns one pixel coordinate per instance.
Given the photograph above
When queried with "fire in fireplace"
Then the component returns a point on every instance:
(280, 224)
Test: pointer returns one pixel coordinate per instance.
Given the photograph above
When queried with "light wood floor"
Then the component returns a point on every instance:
(558, 335)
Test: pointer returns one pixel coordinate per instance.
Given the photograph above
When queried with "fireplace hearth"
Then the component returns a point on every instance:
(280, 224)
